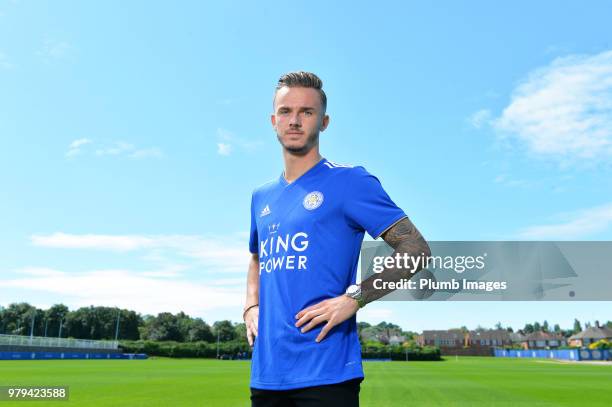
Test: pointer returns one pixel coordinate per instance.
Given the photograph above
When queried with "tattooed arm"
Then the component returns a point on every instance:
(404, 238)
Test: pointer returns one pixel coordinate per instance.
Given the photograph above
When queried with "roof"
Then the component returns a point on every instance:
(446, 335)
(594, 333)
(543, 336)
(517, 337)
(497, 334)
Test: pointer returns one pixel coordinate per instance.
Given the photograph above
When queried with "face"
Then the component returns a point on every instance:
(298, 118)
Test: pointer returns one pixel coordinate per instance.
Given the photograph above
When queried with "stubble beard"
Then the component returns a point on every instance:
(311, 141)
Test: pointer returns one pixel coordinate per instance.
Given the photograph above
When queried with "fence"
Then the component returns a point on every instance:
(17, 340)
(564, 354)
(68, 355)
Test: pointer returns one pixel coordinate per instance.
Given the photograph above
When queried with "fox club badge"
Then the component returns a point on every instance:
(313, 200)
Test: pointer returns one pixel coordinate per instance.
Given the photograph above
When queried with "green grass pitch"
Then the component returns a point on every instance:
(467, 381)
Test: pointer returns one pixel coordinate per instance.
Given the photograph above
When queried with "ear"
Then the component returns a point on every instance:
(324, 123)
(273, 120)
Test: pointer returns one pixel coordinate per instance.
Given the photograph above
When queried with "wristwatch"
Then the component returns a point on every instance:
(354, 292)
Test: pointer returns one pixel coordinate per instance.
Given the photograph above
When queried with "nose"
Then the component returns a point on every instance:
(295, 121)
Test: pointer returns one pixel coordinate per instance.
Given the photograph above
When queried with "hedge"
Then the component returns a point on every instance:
(184, 350)
(232, 348)
(398, 353)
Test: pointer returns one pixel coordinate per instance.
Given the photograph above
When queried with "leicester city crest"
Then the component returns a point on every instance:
(313, 200)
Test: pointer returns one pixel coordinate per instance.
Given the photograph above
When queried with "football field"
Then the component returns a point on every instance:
(468, 381)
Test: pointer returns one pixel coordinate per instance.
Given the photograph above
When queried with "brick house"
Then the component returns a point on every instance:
(451, 338)
(590, 335)
(469, 343)
(543, 340)
(490, 338)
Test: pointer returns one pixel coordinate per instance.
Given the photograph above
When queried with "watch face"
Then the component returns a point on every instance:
(352, 289)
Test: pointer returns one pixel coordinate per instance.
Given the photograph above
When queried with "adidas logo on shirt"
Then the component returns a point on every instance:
(265, 211)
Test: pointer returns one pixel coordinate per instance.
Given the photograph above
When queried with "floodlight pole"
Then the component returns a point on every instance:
(117, 327)
(32, 327)
(218, 343)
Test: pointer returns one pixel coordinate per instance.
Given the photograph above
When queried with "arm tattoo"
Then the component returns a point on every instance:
(404, 238)
(402, 230)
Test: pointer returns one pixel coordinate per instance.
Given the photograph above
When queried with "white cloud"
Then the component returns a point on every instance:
(4, 61)
(573, 226)
(190, 273)
(54, 50)
(563, 110)
(79, 142)
(223, 254)
(375, 313)
(72, 153)
(506, 180)
(100, 242)
(230, 281)
(75, 147)
(224, 149)
(228, 141)
(41, 272)
(128, 289)
(117, 148)
(480, 118)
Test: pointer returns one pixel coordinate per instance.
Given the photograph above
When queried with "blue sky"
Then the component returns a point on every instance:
(134, 132)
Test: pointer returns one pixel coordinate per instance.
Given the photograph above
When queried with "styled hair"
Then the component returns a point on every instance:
(301, 79)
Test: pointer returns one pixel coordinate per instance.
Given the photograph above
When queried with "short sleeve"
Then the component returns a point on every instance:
(253, 237)
(367, 206)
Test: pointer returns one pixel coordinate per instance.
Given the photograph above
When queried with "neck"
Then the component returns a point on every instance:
(297, 165)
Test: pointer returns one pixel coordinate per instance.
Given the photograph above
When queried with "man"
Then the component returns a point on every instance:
(307, 227)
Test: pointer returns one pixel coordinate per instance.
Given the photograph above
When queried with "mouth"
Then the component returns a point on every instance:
(295, 132)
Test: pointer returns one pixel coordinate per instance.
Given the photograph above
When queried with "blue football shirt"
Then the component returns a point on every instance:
(308, 235)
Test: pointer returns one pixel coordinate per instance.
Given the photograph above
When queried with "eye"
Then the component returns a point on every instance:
(308, 113)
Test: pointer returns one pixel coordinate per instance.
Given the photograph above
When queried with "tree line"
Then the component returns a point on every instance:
(100, 323)
(546, 327)
(105, 323)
